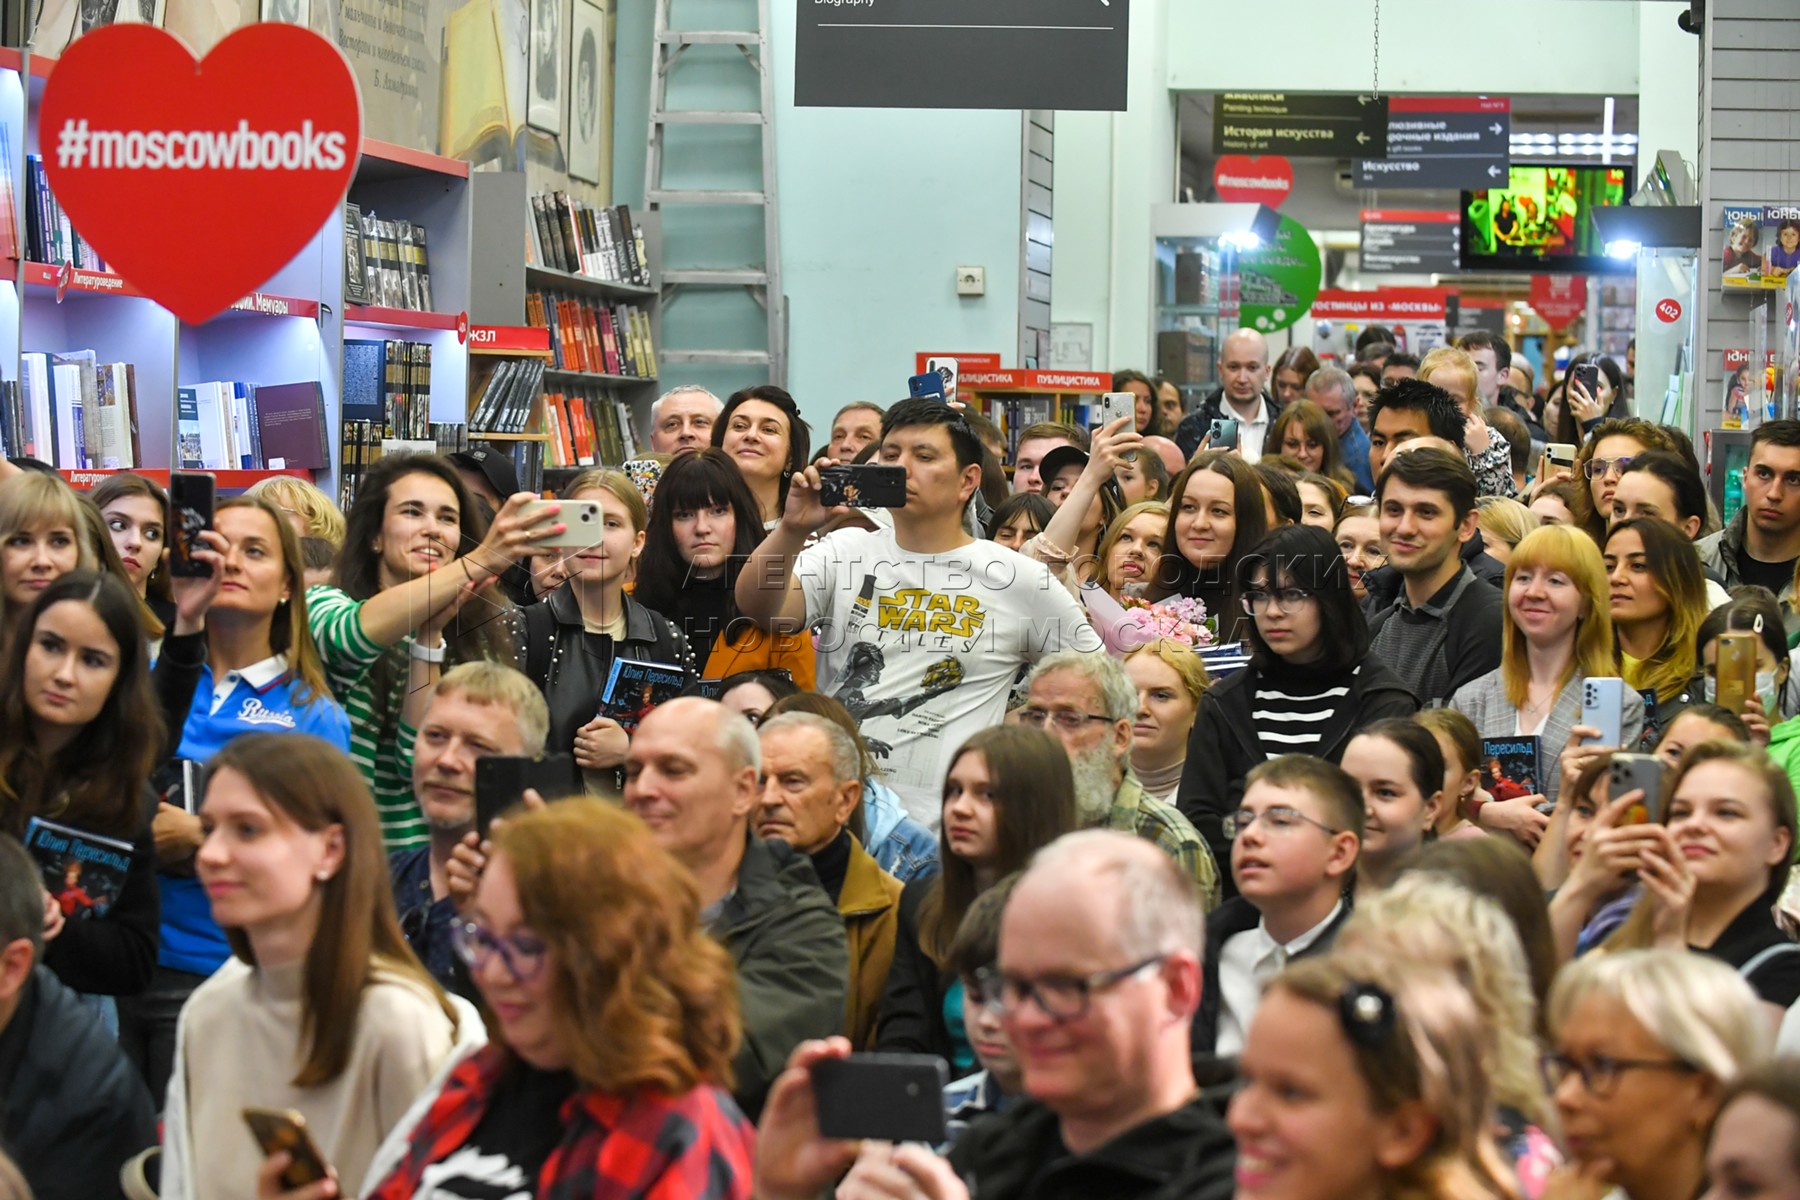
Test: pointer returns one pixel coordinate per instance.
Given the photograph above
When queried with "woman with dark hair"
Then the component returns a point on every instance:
(1216, 515)
(751, 694)
(1755, 1146)
(1755, 612)
(136, 511)
(1289, 375)
(1008, 793)
(1658, 601)
(1582, 410)
(1401, 770)
(322, 1009)
(1021, 518)
(1660, 483)
(616, 1021)
(1311, 683)
(80, 732)
(1303, 432)
(1147, 409)
(1555, 504)
(392, 621)
(703, 529)
(760, 428)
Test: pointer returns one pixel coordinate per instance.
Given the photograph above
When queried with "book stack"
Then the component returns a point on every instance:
(387, 394)
(72, 411)
(594, 337)
(396, 267)
(508, 397)
(49, 237)
(230, 425)
(588, 427)
(574, 236)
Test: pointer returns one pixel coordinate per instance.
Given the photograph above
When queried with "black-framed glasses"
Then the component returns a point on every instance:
(1066, 720)
(1276, 820)
(523, 954)
(1059, 997)
(1595, 468)
(1286, 599)
(1600, 1074)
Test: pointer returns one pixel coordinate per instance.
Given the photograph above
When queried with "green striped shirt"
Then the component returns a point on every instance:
(386, 765)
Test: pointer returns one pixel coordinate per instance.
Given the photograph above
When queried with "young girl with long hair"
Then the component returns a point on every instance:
(1008, 792)
(323, 1009)
(136, 511)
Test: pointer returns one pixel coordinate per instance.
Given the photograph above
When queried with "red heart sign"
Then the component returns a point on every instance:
(1240, 179)
(198, 180)
(1668, 311)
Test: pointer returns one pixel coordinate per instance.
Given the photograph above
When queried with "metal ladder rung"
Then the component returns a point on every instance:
(715, 277)
(709, 37)
(702, 196)
(733, 358)
(705, 116)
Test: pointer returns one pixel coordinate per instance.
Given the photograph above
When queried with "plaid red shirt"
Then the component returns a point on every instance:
(695, 1146)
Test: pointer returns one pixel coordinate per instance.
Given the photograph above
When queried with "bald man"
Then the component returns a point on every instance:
(1241, 396)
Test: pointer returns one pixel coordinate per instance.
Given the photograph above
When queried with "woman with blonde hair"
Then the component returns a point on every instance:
(1646, 1042)
(1365, 1075)
(1504, 523)
(305, 505)
(1130, 548)
(616, 1025)
(1557, 633)
(43, 535)
(1170, 679)
(1431, 920)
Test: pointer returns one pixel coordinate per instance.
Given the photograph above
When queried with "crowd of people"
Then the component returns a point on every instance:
(1376, 807)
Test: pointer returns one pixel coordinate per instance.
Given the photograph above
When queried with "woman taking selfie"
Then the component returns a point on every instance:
(1712, 883)
(1008, 792)
(702, 530)
(1311, 683)
(1754, 613)
(137, 516)
(1170, 679)
(1658, 602)
(616, 1023)
(760, 428)
(566, 645)
(1645, 1043)
(1364, 1076)
(81, 732)
(323, 1009)
(1082, 487)
(1216, 515)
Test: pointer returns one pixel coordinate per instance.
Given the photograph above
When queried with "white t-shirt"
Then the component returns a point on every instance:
(923, 649)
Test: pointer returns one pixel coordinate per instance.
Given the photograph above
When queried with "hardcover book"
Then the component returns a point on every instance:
(634, 688)
(1509, 767)
(83, 872)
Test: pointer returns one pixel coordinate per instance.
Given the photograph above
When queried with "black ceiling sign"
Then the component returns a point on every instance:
(1300, 126)
(1007, 54)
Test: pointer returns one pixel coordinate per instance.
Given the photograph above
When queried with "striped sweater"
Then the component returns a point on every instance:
(1291, 712)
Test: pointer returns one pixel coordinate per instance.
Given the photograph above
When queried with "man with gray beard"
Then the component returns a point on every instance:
(1088, 702)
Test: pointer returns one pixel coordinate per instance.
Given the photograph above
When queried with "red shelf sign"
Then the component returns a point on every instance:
(514, 339)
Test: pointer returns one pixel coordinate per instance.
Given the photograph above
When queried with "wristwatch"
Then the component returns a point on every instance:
(434, 654)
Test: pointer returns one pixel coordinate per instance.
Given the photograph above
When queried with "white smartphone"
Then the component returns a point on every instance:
(1561, 454)
(581, 524)
(1603, 708)
(1114, 405)
(946, 369)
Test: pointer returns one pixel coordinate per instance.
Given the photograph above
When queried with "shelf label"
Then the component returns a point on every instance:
(521, 338)
(462, 328)
(268, 123)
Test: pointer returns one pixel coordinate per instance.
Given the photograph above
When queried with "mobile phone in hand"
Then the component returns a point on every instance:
(501, 781)
(1588, 376)
(191, 504)
(1734, 671)
(279, 1129)
(864, 485)
(1114, 406)
(1603, 708)
(1638, 772)
(1222, 435)
(888, 1097)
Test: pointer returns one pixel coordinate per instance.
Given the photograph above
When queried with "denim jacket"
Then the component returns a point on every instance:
(901, 846)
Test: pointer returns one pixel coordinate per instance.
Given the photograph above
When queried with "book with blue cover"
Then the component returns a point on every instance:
(83, 872)
(634, 688)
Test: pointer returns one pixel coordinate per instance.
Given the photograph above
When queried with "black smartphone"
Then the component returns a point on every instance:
(1588, 376)
(277, 1129)
(191, 500)
(501, 780)
(1223, 435)
(890, 1097)
(870, 485)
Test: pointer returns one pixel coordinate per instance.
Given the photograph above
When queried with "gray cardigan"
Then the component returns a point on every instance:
(1484, 702)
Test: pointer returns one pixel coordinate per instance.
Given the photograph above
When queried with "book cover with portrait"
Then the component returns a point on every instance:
(83, 872)
(634, 688)
(1509, 767)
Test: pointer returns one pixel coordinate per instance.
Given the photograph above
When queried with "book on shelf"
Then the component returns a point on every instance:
(49, 236)
(590, 427)
(386, 396)
(508, 396)
(396, 265)
(592, 336)
(290, 421)
(569, 234)
(231, 425)
(72, 411)
(83, 872)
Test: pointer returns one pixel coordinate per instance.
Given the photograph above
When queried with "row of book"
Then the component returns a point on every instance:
(388, 383)
(224, 425)
(508, 396)
(49, 237)
(364, 441)
(574, 236)
(588, 427)
(72, 411)
(396, 269)
(594, 337)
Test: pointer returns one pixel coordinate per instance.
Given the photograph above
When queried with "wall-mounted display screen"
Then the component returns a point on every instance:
(1542, 220)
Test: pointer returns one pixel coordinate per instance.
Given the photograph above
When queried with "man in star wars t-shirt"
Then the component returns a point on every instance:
(922, 628)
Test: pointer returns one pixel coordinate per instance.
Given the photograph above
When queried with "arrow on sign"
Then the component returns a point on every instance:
(1362, 139)
(1493, 172)
(1497, 128)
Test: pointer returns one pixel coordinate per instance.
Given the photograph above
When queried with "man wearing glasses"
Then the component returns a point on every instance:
(1295, 838)
(1088, 703)
(1762, 542)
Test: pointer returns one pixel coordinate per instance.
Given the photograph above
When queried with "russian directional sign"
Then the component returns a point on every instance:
(1450, 142)
(1410, 243)
(1009, 54)
(1299, 125)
